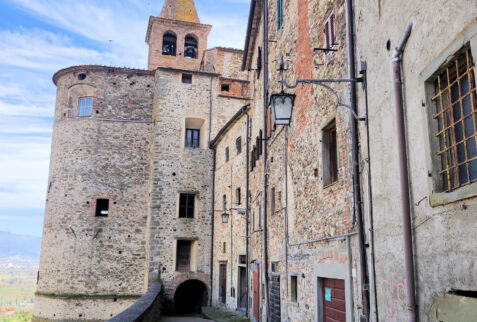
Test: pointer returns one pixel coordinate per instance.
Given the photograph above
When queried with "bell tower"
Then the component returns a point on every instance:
(177, 39)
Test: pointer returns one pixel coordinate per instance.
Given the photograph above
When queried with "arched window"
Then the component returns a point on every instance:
(190, 47)
(169, 44)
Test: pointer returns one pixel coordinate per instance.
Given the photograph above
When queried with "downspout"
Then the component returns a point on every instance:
(265, 153)
(213, 227)
(247, 206)
(363, 269)
(404, 177)
(286, 216)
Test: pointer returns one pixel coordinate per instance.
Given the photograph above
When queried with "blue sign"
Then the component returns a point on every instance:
(328, 294)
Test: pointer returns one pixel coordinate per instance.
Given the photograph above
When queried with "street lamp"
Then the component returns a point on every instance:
(282, 105)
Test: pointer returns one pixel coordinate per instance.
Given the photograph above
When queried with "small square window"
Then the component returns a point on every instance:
(294, 288)
(85, 106)
(186, 205)
(225, 88)
(187, 78)
(192, 138)
(102, 208)
(274, 267)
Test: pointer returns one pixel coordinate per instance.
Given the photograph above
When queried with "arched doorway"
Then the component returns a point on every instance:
(190, 297)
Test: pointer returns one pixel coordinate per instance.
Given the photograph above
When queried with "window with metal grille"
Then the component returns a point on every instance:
(329, 34)
(102, 208)
(455, 104)
(330, 154)
(169, 44)
(85, 106)
(279, 14)
(186, 205)
(183, 255)
(224, 203)
(190, 47)
(192, 138)
(238, 145)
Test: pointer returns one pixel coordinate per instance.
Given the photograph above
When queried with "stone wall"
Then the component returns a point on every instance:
(444, 259)
(105, 155)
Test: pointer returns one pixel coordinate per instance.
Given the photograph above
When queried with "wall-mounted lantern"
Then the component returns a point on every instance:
(225, 218)
(282, 105)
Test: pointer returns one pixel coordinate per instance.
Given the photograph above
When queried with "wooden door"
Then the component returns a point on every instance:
(242, 298)
(223, 282)
(256, 292)
(334, 300)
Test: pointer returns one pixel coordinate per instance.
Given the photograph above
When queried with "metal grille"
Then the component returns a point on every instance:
(456, 114)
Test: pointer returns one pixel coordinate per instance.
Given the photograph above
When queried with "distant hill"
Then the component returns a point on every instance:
(24, 246)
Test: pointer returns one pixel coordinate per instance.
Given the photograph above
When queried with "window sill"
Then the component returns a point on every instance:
(443, 198)
(329, 185)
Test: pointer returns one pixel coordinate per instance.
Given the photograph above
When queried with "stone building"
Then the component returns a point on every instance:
(129, 195)
(180, 173)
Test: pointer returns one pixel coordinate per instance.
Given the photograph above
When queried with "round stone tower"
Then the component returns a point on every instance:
(93, 259)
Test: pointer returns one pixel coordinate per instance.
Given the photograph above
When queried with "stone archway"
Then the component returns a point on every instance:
(190, 297)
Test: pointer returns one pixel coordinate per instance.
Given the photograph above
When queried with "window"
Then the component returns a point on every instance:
(279, 14)
(224, 247)
(169, 44)
(225, 87)
(260, 216)
(227, 154)
(224, 203)
(183, 255)
(187, 78)
(242, 259)
(272, 201)
(238, 196)
(293, 288)
(192, 138)
(238, 145)
(274, 267)
(329, 34)
(259, 62)
(260, 142)
(85, 106)
(186, 205)
(190, 47)
(102, 208)
(330, 154)
(455, 112)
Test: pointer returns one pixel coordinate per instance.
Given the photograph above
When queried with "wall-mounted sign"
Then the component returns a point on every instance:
(328, 294)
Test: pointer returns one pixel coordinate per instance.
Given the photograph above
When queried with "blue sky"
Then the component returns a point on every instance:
(39, 37)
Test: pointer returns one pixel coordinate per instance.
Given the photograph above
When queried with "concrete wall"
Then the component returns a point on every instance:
(104, 155)
(444, 257)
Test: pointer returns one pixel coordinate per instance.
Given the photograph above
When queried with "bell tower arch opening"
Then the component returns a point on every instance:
(190, 297)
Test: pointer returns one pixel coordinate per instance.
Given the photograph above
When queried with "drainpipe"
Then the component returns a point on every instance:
(363, 269)
(247, 212)
(213, 224)
(404, 177)
(265, 153)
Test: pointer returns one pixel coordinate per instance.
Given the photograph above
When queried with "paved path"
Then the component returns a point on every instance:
(182, 318)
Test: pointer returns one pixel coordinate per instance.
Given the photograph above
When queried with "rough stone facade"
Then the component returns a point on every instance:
(443, 223)
(105, 155)
(130, 149)
(273, 226)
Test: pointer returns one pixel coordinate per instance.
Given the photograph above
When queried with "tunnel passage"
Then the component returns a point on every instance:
(190, 297)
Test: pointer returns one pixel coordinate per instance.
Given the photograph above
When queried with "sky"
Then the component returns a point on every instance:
(39, 37)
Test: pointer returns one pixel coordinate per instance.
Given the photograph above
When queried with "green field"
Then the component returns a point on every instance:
(21, 316)
(17, 288)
